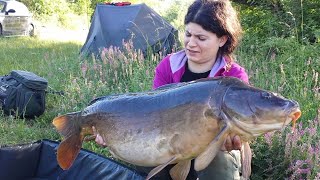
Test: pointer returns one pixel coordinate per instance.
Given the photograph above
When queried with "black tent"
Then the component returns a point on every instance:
(111, 25)
(38, 161)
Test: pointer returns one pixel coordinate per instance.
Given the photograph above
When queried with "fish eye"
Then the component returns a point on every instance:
(266, 95)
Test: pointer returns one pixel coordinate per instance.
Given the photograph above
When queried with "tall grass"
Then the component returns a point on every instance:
(286, 67)
(54, 61)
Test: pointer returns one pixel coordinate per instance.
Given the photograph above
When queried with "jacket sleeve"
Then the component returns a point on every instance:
(162, 73)
(238, 72)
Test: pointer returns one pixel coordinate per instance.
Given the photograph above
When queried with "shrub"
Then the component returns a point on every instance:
(43, 9)
(288, 18)
(287, 155)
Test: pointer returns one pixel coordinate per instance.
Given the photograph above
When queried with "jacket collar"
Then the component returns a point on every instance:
(179, 59)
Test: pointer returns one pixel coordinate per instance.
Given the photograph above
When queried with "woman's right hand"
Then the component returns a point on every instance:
(233, 142)
(98, 138)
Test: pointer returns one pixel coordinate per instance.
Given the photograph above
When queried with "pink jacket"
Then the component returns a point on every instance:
(172, 67)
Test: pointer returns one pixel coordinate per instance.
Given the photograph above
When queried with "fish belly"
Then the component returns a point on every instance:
(159, 149)
(144, 153)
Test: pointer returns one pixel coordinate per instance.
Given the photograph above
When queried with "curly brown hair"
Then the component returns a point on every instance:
(219, 17)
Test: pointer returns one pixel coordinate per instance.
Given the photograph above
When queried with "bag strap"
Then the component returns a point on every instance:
(52, 91)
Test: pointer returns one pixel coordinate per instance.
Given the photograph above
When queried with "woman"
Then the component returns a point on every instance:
(212, 32)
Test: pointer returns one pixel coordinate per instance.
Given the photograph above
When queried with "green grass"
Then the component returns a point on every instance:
(54, 61)
(286, 67)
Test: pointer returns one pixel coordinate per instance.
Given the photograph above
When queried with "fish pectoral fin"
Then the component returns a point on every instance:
(157, 169)
(246, 157)
(68, 150)
(181, 170)
(204, 159)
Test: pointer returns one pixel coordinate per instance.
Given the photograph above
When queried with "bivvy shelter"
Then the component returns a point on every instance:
(112, 25)
(38, 161)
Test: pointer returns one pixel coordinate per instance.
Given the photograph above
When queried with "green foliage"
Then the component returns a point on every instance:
(260, 22)
(266, 163)
(289, 18)
(305, 16)
(43, 9)
(81, 7)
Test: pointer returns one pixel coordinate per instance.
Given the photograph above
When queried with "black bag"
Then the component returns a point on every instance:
(22, 94)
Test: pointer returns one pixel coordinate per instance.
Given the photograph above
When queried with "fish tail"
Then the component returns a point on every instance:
(73, 129)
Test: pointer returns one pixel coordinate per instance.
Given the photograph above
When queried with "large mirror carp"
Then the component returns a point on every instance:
(177, 123)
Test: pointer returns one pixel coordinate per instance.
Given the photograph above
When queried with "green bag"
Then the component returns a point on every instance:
(22, 94)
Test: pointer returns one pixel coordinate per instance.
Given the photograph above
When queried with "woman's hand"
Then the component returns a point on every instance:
(233, 142)
(98, 138)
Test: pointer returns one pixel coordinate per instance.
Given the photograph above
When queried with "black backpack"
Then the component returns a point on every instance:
(22, 94)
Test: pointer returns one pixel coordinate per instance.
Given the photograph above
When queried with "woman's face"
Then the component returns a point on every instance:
(201, 46)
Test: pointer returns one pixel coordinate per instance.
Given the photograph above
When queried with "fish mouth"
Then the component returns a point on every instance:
(255, 129)
(293, 116)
